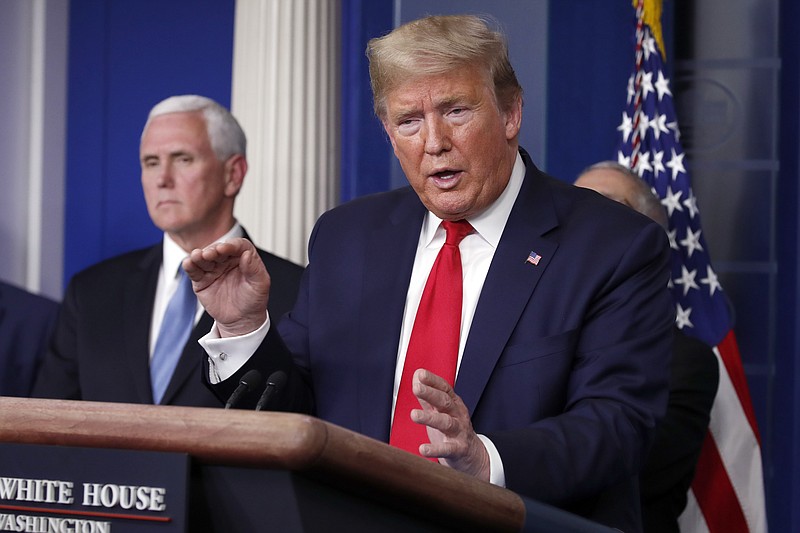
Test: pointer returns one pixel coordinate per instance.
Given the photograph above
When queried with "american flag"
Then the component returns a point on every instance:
(727, 493)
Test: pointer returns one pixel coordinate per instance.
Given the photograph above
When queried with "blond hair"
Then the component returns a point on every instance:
(438, 45)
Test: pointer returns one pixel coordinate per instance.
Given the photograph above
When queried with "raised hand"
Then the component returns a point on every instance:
(231, 282)
(452, 438)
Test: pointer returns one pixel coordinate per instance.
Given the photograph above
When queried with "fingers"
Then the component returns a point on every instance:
(221, 255)
(426, 377)
(204, 266)
(435, 391)
(442, 422)
(452, 437)
(232, 284)
(442, 409)
(253, 268)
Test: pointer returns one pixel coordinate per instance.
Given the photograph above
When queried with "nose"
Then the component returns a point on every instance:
(437, 136)
(164, 176)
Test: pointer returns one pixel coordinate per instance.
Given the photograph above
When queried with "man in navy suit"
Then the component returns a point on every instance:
(193, 159)
(694, 378)
(566, 324)
(26, 322)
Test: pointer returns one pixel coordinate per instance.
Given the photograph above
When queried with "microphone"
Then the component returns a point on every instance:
(251, 380)
(274, 384)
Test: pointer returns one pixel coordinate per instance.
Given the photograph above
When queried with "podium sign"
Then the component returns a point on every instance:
(61, 488)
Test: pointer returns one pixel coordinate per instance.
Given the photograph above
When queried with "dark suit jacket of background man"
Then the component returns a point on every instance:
(26, 322)
(588, 329)
(670, 466)
(100, 350)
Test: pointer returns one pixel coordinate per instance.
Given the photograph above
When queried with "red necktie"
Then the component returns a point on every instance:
(434, 338)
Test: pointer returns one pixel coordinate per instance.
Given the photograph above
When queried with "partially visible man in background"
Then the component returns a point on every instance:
(129, 326)
(669, 469)
(26, 323)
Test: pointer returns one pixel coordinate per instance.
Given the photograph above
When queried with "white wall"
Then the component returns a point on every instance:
(33, 56)
(286, 96)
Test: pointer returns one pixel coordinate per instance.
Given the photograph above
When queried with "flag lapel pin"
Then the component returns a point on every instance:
(533, 258)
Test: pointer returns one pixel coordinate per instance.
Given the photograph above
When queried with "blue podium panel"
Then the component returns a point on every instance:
(60, 488)
(243, 500)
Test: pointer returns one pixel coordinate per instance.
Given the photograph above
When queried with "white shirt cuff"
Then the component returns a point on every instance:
(227, 355)
(497, 475)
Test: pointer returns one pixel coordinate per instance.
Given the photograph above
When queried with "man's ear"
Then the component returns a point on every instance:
(235, 169)
(513, 117)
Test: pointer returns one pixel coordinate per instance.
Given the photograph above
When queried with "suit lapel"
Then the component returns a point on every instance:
(509, 284)
(390, 258)
(137, 311)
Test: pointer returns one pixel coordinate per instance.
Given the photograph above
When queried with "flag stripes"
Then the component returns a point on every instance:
(713, 490)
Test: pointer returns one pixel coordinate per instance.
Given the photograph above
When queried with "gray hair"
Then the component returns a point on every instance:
(224, 132)
(437, 45)
(645, 200)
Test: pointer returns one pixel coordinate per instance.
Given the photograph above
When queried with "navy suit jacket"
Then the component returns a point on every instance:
(669, 469)
(26, 323)
(100, 350)
(566, 364)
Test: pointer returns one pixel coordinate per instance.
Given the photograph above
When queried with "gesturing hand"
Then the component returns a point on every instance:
(452, 438)
(231, 282)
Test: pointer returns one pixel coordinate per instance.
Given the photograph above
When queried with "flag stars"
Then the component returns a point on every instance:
(658, 165)
(662, 85)
(682, 319)
(673, 239)
(643, 164)
(631, 90)
(711, 280)
(692, 242)
(691, 204)
(647, 84)
(659, 125)
(687, 280)
(675, 164)
(649, 143)
(643, 124)
(648, 46)
(626, 127)
(674, 127)
(672, 201)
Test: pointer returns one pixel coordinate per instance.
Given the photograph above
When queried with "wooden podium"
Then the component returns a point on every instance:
(263, 471)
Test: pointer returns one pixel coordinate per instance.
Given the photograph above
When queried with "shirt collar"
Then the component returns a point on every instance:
(173, 254)
(491, 222)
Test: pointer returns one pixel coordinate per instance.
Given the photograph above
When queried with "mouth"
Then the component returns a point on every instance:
(446, 179)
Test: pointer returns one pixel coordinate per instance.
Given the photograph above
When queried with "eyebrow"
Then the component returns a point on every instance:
(171, 155)
(450, 101)
(456, 100)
